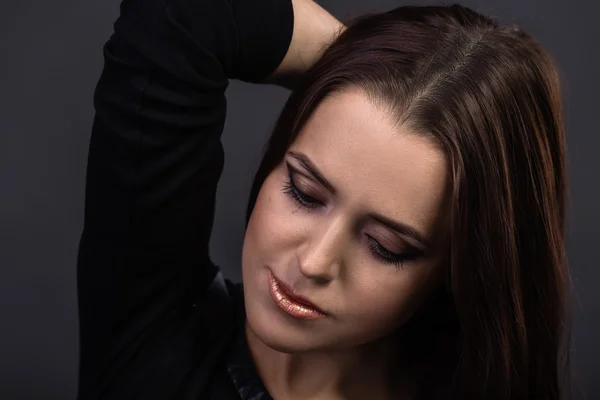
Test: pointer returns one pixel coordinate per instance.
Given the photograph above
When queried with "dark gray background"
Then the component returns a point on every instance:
(50, 60)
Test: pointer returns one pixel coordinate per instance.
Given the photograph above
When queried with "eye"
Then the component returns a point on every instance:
(388, 257)
(302, 199)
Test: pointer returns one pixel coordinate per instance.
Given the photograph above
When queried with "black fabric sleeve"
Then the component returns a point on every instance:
(155, 158)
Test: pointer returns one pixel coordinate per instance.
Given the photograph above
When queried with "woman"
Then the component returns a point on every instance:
(405, 233)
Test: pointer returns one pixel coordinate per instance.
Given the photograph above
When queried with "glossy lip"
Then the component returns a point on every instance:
(293, 304)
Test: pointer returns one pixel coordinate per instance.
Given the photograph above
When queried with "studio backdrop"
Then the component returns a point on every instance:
(51, 58)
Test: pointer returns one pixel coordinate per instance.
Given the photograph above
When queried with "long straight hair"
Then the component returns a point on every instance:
(488, 96)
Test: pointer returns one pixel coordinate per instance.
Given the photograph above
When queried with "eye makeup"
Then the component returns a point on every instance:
(310, 203)
(291, 189)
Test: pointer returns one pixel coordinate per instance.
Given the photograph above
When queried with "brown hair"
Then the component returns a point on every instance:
(489, 96)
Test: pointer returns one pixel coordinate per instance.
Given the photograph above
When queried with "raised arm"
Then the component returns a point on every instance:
(155, 158)
(314, 30)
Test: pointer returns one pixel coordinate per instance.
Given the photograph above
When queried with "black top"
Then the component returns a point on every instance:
(157, 320)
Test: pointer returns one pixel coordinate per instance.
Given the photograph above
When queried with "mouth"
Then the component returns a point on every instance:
(291, 303)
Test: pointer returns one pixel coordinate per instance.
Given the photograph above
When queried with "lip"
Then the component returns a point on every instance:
(292, 303)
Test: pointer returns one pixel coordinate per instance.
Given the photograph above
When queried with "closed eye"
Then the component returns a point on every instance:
(389, 257)
(302, 199)
(310, 203)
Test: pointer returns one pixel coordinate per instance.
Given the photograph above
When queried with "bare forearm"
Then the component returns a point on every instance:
(314, 30)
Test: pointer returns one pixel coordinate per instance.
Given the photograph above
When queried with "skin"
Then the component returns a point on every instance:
(314, 30)
(324, 253)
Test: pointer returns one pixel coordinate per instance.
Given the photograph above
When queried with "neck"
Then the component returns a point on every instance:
(370, 371)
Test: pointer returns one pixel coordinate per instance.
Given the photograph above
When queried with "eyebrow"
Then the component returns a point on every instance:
(313, 170)
(421, 242)
(402, 228)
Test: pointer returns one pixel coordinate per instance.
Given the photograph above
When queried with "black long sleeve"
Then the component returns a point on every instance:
(155, 158)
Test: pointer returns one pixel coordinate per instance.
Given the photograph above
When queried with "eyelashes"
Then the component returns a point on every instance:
(299, 197)
(309, 203)
(386, 256)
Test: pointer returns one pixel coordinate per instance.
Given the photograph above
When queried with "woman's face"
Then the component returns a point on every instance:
(352, 220)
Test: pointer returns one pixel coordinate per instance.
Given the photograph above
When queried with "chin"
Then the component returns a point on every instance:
(284, 342)
(271, 330)
(280, 344)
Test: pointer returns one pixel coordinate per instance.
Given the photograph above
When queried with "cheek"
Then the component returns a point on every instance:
(384, 300)
(273, 225)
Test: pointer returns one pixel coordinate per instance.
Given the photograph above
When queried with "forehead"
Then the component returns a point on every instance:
(373, 163)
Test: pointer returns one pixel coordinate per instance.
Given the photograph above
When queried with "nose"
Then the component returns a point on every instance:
(320, 255)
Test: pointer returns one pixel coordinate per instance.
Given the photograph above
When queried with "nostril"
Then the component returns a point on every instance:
(321, 280)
